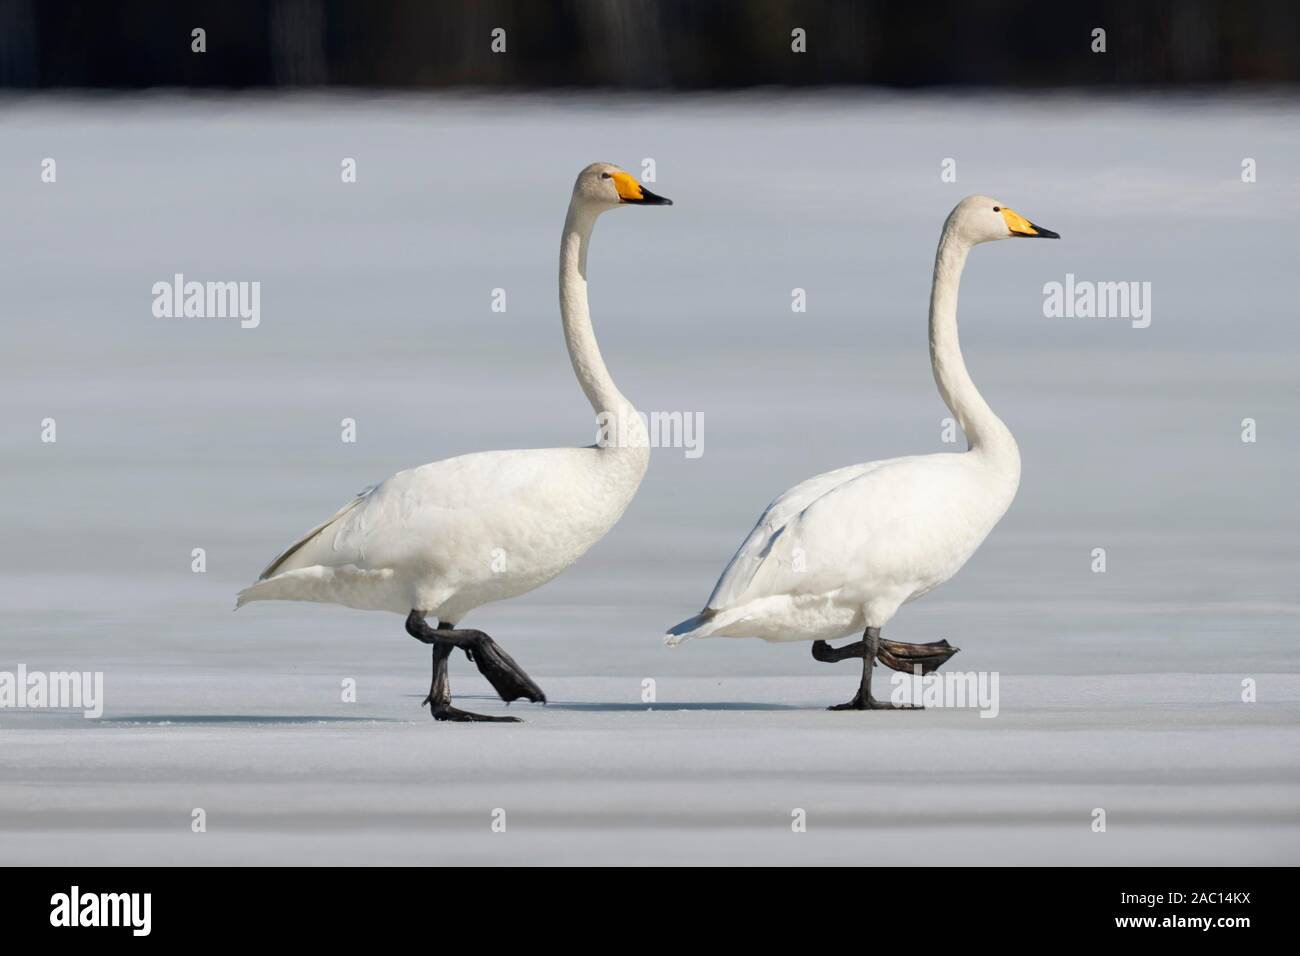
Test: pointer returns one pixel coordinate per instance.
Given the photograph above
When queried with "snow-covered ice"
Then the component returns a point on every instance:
(1185, 772)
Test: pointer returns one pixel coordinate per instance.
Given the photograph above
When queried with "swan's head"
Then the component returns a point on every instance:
(983, 219)
(603, 186)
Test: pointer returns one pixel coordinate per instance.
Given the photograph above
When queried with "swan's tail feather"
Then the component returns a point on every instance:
(254, 592)
(286, 586)
(684, 631)
(368, 589)
(707, 623)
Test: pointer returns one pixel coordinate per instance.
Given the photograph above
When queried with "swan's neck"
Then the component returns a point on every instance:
(620, 427)
(985, 432)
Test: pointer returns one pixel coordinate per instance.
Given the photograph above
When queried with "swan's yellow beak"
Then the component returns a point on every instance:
(1020, 226)
(631, 191)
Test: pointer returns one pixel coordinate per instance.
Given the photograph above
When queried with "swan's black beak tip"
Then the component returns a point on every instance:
(1041, 233)
(648, 198)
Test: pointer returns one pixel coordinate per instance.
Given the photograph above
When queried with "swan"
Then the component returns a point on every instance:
(838, 554)
(439, 540)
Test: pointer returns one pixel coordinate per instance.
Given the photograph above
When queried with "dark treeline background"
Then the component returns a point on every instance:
(687, 44)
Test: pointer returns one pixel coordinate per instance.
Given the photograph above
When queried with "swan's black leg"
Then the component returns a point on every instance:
(863, 700)
(829, 655)
(439, 699)
(506, 677)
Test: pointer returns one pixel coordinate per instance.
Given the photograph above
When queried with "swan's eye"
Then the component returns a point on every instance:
(604, 175)
(997, 208)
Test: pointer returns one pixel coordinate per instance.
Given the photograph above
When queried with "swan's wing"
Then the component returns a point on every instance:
(306, 539)
(771, 524)
(888, 528)
(435, 509)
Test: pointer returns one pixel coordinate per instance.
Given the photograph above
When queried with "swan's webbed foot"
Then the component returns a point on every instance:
(870, 703)
(893, 654)
(506, 677)
(871, 648)
(907, 657)
(445, 711)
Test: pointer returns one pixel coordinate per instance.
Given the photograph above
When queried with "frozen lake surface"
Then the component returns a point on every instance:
(1185, 772)
(1119, 690)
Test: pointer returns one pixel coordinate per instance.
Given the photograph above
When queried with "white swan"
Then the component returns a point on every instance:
(442, 539)
(840, 553)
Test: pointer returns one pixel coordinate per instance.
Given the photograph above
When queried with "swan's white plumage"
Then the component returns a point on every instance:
(852, 546)
(452, 535)
(843, 551)
(473, 529)
(740, 571)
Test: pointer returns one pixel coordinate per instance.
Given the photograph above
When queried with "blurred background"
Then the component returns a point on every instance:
(645, 44)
